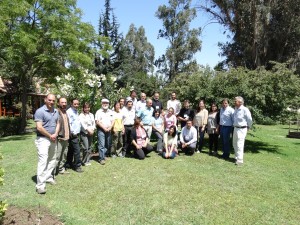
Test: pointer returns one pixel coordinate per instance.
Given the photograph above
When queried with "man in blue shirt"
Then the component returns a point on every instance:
(242, 121)
(225, 127)
(146, 117)
(47, 128)
(74, 148)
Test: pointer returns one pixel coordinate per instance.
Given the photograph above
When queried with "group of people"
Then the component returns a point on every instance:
(126, 129)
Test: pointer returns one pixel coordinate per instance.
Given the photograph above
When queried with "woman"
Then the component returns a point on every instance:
(170, 119)
(158, 129)
(88, 126)
(170, 142)
(140, 140)
(117, 131)
(212, 128)
(200, 121)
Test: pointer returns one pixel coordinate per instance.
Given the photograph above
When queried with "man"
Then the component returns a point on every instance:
(75, 127)
(174, 103)
(104, 121)
(146, 117)
(188, 138)
(185, 113)
(156, 103)
(133, 96)
(128, 121)
(122, 102)
(242, 121)
(63, 137)
(141, 104)
(47, 128)
(225, 127)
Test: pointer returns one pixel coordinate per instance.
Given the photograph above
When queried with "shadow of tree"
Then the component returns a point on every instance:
(21, 137)
(258, 146)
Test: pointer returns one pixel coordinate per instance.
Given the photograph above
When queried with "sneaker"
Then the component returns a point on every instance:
(52, 182)
(88, 164)
(41, 190)
(114, 156)
(197, 151)
(102, 162)
(121, 155)
(79, 170)
(237, 163)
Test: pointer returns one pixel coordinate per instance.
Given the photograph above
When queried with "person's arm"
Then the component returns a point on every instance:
(175, 120)
(174, 143)
(98, 120)
(205, 118)
(166, 141)
(181, 135)
(83, 124)
(248, 118)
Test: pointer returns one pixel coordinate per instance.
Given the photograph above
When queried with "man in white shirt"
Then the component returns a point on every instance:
(104, 121)
(174, 103)
(188, 138)
(128, 121)
(242, 121)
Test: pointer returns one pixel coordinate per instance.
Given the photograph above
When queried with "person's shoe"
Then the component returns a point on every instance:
(88, 164)
(102, 162)
(237, 163)
(79, 170)
(52, 182)
(41, 190)
(121, 155)
(197, 151)
(114, 156)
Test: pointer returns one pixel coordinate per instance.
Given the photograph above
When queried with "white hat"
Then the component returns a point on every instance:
(105, 100)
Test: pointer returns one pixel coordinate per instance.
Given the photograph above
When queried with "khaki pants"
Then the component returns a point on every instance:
(117, 143)
(61, 155)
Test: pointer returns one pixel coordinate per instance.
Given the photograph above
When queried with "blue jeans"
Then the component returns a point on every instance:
(104, 143)
(173, 155)
(225, 132)
(159, 141)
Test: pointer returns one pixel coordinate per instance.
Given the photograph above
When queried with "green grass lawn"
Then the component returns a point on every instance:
(187, 190)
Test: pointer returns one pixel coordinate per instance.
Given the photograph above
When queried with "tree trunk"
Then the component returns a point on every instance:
(24, 99)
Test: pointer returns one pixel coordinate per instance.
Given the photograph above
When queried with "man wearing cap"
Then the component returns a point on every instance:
(47, 128)
(128, 121)
(146, 116)
(104, 121)
(242, 121)
(75, 127)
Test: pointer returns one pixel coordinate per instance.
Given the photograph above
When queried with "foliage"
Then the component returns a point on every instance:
(42, 39)
(256, 27)
(9, 126)
(184, 42)
(267, 93)
(3, 205)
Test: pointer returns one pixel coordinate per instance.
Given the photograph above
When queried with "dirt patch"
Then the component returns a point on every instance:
(20, 216)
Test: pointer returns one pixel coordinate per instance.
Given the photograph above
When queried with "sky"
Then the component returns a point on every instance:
(142, 13)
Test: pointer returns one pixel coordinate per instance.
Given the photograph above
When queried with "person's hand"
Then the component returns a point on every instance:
(202, 129)
(53, 137)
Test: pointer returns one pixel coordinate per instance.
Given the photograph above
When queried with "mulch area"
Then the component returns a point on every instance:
(39, 216)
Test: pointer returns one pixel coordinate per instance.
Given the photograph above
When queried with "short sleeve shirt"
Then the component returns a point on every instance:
(48, 118)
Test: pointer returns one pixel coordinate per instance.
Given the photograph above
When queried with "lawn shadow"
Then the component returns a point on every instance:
(20, 137)
(34, 178)
(258, 146)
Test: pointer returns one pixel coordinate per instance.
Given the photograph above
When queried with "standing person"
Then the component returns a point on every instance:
(170, 119)
(212, 123)
(140, 140)
(200, 121)
(146, 116)
(63, 137)
(88, 127)
(174, 103)
(47, 128)
(242, 121)
(75, 127)
(141, 104)
(225, 127)
(117, 131)
(170, 143)
(104, 122)
(156, 103)
(188, 138)
(128, 121)
(185, 113)
(133, 97)
(122, 102)
(158, 130)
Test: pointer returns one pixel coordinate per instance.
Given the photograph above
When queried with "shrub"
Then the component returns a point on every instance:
(3, 205)
(9, 126)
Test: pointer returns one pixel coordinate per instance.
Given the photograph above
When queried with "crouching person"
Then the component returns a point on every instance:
(170, 143)
(140, 140)
(188, 138)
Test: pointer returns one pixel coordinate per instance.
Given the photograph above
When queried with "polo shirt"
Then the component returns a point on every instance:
(146, 115)
(48, 118)
(106, 118)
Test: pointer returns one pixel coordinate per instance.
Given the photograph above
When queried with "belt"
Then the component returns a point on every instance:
(128, 125)
(240, 127)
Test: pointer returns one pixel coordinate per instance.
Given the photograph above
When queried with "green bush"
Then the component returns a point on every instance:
(3, 205)
(9, 126)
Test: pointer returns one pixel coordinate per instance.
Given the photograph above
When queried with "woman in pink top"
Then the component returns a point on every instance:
(170, 119)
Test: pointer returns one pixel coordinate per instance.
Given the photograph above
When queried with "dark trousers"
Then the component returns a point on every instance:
(141, 153)
(200, 136)
(213, 142)
(225, 132)
(73, 156)
(127, 139)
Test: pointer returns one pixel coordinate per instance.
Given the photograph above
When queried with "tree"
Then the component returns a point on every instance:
(184, 42)
(262, 31)
(42, 39)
